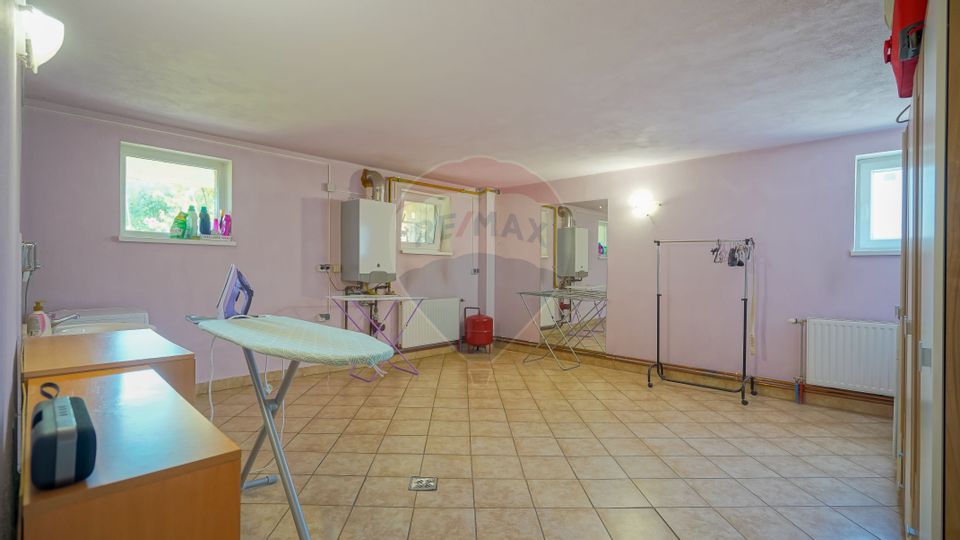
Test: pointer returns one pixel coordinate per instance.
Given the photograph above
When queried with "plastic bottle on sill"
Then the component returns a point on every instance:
(204, 220)
(192, 220)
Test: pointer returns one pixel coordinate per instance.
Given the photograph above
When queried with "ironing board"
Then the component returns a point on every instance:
(297, 341)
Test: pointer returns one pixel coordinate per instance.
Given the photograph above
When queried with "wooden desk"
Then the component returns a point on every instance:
(124, 350)
(162, 470)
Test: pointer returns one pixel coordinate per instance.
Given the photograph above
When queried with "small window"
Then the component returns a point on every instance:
(602, 239)
(422, 223)
(157, 184)
(879, 211)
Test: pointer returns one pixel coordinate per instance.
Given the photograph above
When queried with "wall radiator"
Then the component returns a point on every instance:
(852, 355)
(437, 321)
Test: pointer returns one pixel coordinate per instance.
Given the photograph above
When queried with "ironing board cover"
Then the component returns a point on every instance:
(295, 339)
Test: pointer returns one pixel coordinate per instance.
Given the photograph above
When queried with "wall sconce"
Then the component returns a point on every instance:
(40, 36)
(643, 204)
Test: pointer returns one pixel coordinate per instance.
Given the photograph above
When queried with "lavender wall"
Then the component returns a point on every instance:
(10, 266)
(284, 227)
(797, 201)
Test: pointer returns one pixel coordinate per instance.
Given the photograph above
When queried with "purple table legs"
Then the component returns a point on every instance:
(378, 330)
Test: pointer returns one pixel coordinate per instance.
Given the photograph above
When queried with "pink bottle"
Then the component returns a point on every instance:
(227, 225)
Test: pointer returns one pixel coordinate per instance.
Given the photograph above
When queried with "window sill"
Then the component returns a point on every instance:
(415, 251)
(154, 240)
(874, 252)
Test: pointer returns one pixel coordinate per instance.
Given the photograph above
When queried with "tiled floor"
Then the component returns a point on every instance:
(528, 451)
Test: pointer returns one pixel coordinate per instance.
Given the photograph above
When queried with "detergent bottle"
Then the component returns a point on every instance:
(204, 220)
(38, 322)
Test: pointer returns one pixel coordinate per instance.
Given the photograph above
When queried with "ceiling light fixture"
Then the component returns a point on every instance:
(41, 36)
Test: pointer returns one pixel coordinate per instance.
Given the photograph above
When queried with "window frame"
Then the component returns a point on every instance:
(441, 245)
(224, 184)
(865, 165)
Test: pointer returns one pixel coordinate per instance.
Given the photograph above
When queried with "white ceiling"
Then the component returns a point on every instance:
(551, 88)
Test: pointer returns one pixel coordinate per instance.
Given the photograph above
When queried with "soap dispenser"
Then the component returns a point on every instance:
(38, 322)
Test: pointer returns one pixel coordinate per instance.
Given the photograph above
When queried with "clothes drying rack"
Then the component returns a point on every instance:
(577, 331)
(658, 365)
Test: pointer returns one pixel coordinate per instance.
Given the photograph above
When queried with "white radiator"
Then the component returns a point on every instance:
(437, 321)
(852, 355)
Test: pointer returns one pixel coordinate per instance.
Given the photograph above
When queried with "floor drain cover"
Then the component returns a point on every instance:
(423, 483)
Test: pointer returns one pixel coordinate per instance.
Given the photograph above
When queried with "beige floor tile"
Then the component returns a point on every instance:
(571, 524)
(791, 467)
(645, 467)
(762, 523)
(698, 524)
(386, 491)
(674, 446)
(257, 521)
(508, 524)
(497, 467)
(402, 444)
(326, 425)
(651, 430)
(614, 494)
(635, 524)
(323, 522)
(714, 447)
(346, 464)
(558, 494)
(412, 413)
(501, 493)
(626, 447)
(492, 446)
(596, 467)
(839, 467)
(582, 447)
(546, 468)
(824, 522)
(331, 490)
(571, 430)
(450, 415)
(368, 412)
(450, 428)
(743, 467)
(885, 523)
(446, 523)
(724, 492)
(538, 446)
(450, 493)
(396, 465)
(882, 490)
(357, 444)
(694, 467)
(366, 427)
(530, 429)
(441, 444)
(378, 523)
(446, 466)
(408, 427)
(664, 493)
(310, 442)
(487, 415)
(490, 429)
(779, 492)
(525, 416)
(833, 492)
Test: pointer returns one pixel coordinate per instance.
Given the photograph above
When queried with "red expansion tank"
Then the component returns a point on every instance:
(478, 329)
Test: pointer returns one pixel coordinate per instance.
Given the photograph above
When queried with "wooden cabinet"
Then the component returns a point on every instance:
(111, 352)
(162, 470)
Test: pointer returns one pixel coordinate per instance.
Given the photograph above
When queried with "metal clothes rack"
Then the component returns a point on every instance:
(577, 331)
(742, 387)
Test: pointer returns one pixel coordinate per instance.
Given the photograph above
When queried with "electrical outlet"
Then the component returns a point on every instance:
(335, 268)
(323, 268)
(323, 317)
(475, 271)
(330, 187)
